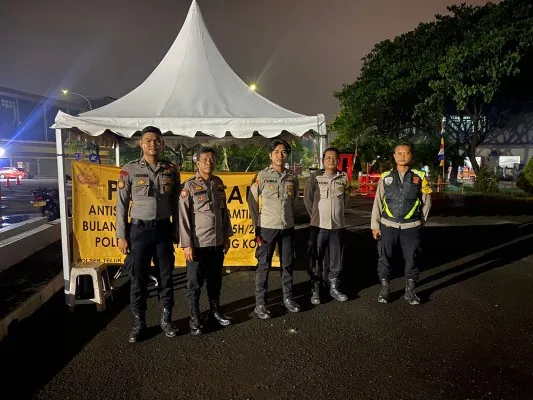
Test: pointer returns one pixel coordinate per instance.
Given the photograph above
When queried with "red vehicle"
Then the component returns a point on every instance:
(13, 173)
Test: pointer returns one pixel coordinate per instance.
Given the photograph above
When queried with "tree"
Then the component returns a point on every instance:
(480, 75)
(471, 65)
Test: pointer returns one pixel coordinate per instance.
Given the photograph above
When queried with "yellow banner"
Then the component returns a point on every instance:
(94, 191)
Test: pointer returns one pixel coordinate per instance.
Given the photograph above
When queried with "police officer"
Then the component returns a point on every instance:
(401, 207)
(276, 189)
(325, 197)
(152, 185)
(205, 229)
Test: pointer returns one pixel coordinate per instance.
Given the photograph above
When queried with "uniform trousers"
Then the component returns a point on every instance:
(325, 248)
(394, 239)
(284, 239)
(207, 266)
(151, 240)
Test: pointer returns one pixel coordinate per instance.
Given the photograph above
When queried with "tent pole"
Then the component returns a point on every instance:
(322, 137)
(117, 152)
(63, 210)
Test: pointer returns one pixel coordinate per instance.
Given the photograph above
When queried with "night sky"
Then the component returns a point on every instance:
(298, 51)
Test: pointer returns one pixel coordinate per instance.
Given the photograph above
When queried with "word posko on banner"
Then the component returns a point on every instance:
(94, 191)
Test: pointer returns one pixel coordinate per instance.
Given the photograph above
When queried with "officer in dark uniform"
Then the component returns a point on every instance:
(401, 207)
(271, 202)
(152, 185)
(205, 229)
(325, 197)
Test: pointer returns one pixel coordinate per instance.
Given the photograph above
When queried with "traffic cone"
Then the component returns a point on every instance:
(18, 180)
(8, 184)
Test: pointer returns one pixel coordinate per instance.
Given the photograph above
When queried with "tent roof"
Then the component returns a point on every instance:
(193, 90)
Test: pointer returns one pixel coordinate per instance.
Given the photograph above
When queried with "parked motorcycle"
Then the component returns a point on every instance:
(48, 201)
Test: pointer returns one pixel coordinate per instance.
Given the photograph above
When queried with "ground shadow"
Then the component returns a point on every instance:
(440, 245)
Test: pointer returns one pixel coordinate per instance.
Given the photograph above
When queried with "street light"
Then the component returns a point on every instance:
(67, 92)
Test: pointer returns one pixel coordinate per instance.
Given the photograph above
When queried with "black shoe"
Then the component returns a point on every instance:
(262, 311)
(335, 292)
(139, 325)
(166, 323)
(195, 325)
(315, 293)
(384, 293)
(221, 319)
(410, 294)
(291, 305)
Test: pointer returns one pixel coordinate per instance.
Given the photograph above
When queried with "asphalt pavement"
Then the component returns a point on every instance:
(471, 338)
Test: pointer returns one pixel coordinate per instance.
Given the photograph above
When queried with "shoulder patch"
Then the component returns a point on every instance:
(184, 193)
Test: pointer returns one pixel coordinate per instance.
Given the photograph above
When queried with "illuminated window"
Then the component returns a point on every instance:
(508, 161)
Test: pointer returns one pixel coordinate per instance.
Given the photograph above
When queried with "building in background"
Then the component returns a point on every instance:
(26, 140)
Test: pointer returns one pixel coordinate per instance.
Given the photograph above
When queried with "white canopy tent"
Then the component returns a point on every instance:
(193, 91)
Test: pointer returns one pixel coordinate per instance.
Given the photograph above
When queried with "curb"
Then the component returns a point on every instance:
(32, 304)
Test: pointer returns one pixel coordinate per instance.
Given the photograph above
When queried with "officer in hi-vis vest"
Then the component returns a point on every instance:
(401, 207)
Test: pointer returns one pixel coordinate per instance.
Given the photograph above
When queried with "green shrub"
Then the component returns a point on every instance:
(486, 181)
(525, 179)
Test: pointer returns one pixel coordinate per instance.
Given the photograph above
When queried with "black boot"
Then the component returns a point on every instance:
(315, 293)
(166, 323)
(410, 294)
(384, 293)
(334, 290)
(217, 316)
(290, 304)
(139, 325)
(262, 311)
(194, 323)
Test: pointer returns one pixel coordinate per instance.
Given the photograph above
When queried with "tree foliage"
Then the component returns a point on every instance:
(525, 179)
(472, 64)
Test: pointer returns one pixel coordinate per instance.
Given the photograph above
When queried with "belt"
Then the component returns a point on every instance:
(150, 223)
